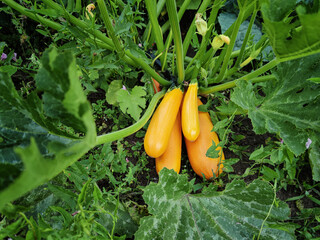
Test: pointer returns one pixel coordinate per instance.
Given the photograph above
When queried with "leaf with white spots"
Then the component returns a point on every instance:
(239, 212)
(314, 156)
(291, 104)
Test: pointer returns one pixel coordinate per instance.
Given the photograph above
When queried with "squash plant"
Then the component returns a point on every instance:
(34, 149)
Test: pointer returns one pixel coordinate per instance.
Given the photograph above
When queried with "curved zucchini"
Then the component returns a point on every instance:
(197, 150)
(171, 158)
(161, 124)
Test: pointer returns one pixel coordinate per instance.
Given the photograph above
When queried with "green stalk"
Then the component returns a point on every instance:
(232, 84)
(269, 212)
(204, 43)
(135, 127)
(109, 27)
(201, 52)
(208, 56)
(181, 11)
(246, 38)
(148, 69)
(150, 5)
(247, 12)
(262, 44)
(247, 77)
(169, 37)
(192, 28)
(230, 47)
(56, 26)
(128, 57)
(81, 24)
(212, 19)
(167, 46)
(174, 21)
(160, 6)
(262, 69)
(218, 64)
(214, 11)
(33, 16)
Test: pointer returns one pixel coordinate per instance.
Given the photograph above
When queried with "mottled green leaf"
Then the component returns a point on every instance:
(35, 147)
(314, 156)
(238, 212)
(291, 106)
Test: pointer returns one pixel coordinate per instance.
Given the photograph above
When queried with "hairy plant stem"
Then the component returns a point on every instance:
(204, 43)
(209, 55)
(230, 47)
(174, 21)
(192, 28)
(33, 16)
(212, 18)
(128, 57)
(246, 38)
(109, 137)
(147, 31)
(233, 83)
(150, 5)
(148, 69)
(262, 43)
(182, 9)
(246, 13)
(270, 209)
(218, 63)
(109, 27)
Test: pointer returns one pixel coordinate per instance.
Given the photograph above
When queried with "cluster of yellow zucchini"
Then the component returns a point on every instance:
(177, 113)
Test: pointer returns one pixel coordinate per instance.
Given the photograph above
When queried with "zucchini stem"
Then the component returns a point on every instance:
(109, 137)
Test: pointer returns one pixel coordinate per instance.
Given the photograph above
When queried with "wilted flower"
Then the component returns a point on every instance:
(308, 143)
(201, 25)
(225, 39)
(89, 8)
(3, 56)
(219, 40)
(14, 58)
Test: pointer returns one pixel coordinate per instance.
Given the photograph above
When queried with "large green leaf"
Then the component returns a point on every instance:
(238, 212)
(34, 146)
(314, 156)
(291, 37)
(291, 106)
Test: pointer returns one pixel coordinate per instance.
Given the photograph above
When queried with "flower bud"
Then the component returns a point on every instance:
(255, 53)
(252, 56)
(201, 25)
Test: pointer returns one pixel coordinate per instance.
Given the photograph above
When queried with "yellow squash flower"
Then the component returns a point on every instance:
(89, 8)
